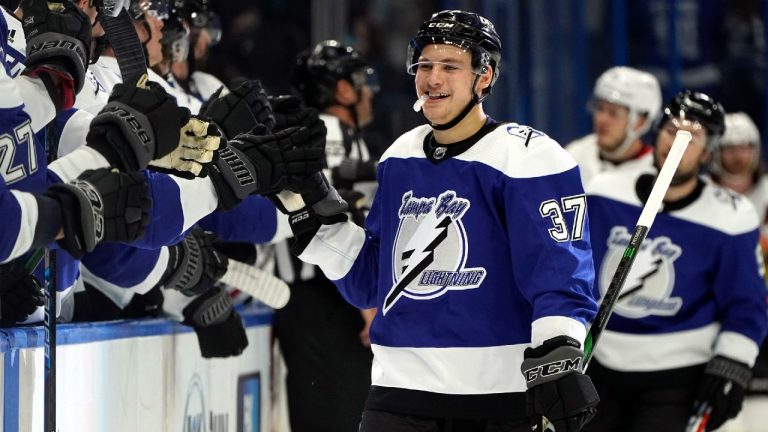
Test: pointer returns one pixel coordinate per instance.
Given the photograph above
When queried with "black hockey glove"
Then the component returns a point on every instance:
(266, 164)
(194, 264)
(289, 111)
(220, 331)
(309, 211)
(137, 125)
(20, 294)
(102, 205)
(557, 386)
(58, 44)
(722, 388)
(240, 110)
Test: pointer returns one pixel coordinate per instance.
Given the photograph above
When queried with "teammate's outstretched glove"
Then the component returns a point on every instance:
(220, 331)
(240, 110)
(265, 164)
(289, 111)
(138, 124)
(198, 143)
(20, 294)
(194, 264)
(557, 386)
(722, 388)
(102, 205)
(58, 44)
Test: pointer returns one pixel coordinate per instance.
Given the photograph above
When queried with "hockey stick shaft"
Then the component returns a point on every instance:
(49, 322)
(644, 223)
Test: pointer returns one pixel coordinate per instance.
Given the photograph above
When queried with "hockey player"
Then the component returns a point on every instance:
(328, 366)
(736, 163)
(625, 101)
(476, 253)
(687, 326)
(204, 32)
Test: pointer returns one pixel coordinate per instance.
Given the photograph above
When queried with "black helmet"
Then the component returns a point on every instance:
(465, 30)
(699, 107)
(195, 12)
(317, 72)
(175, 40)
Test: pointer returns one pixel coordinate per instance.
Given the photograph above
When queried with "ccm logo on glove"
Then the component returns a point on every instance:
(553, 368)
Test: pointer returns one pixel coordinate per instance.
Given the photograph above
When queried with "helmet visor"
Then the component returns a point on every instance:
(446, 54)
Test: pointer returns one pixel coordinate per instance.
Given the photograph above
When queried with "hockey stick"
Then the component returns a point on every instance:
(259, 284)
(699, 420)
(644, 222)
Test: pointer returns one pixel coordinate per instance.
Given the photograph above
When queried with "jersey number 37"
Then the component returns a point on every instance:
(554, 210)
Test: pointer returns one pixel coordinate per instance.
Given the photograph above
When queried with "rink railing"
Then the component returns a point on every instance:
(137, 376)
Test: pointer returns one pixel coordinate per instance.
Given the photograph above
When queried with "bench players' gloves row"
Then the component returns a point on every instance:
(101, 205)
(557, 386)
(143, 126)
(20, 294)
(240, 110)
(254, 163)
(58, 45)
(722, 388)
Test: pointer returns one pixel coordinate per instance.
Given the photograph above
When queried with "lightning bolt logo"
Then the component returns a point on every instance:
(640, 280)
(417, 256)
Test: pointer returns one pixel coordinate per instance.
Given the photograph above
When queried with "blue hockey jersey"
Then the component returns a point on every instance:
(696, 287)
(470, 259)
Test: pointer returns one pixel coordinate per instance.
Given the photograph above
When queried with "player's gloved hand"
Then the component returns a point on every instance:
(289, 111)
(58, 44)
(198, 143)
(102, 205)
(20, 294)
(722, 388)
(194, 264)
(265, 164)
(138, 124)
(220, 331)
(557, 386)
(353, 170)
(308, 212)
(240, 110)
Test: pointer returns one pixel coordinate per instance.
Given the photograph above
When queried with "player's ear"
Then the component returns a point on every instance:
(345, 92)
(485, 79)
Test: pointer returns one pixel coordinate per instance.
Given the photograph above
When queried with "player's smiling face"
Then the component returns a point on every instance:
(444, 72)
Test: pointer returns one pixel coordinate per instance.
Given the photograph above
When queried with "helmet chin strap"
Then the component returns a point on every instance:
(474, 101)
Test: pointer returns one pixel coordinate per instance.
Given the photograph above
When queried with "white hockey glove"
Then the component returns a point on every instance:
(198, 143)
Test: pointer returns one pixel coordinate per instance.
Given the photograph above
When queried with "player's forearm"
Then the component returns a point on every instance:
(37, 102)
(38, 220)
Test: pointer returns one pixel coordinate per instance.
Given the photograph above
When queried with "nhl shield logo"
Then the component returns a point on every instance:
(430, 250)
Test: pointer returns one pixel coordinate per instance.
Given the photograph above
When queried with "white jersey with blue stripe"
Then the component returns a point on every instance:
(470, 259)
(696, 288)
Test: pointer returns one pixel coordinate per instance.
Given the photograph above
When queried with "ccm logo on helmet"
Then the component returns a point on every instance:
(554, 368)
(440, 24)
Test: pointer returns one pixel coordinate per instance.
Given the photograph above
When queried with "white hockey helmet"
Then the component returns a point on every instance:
(739, 129)
(637, 90)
